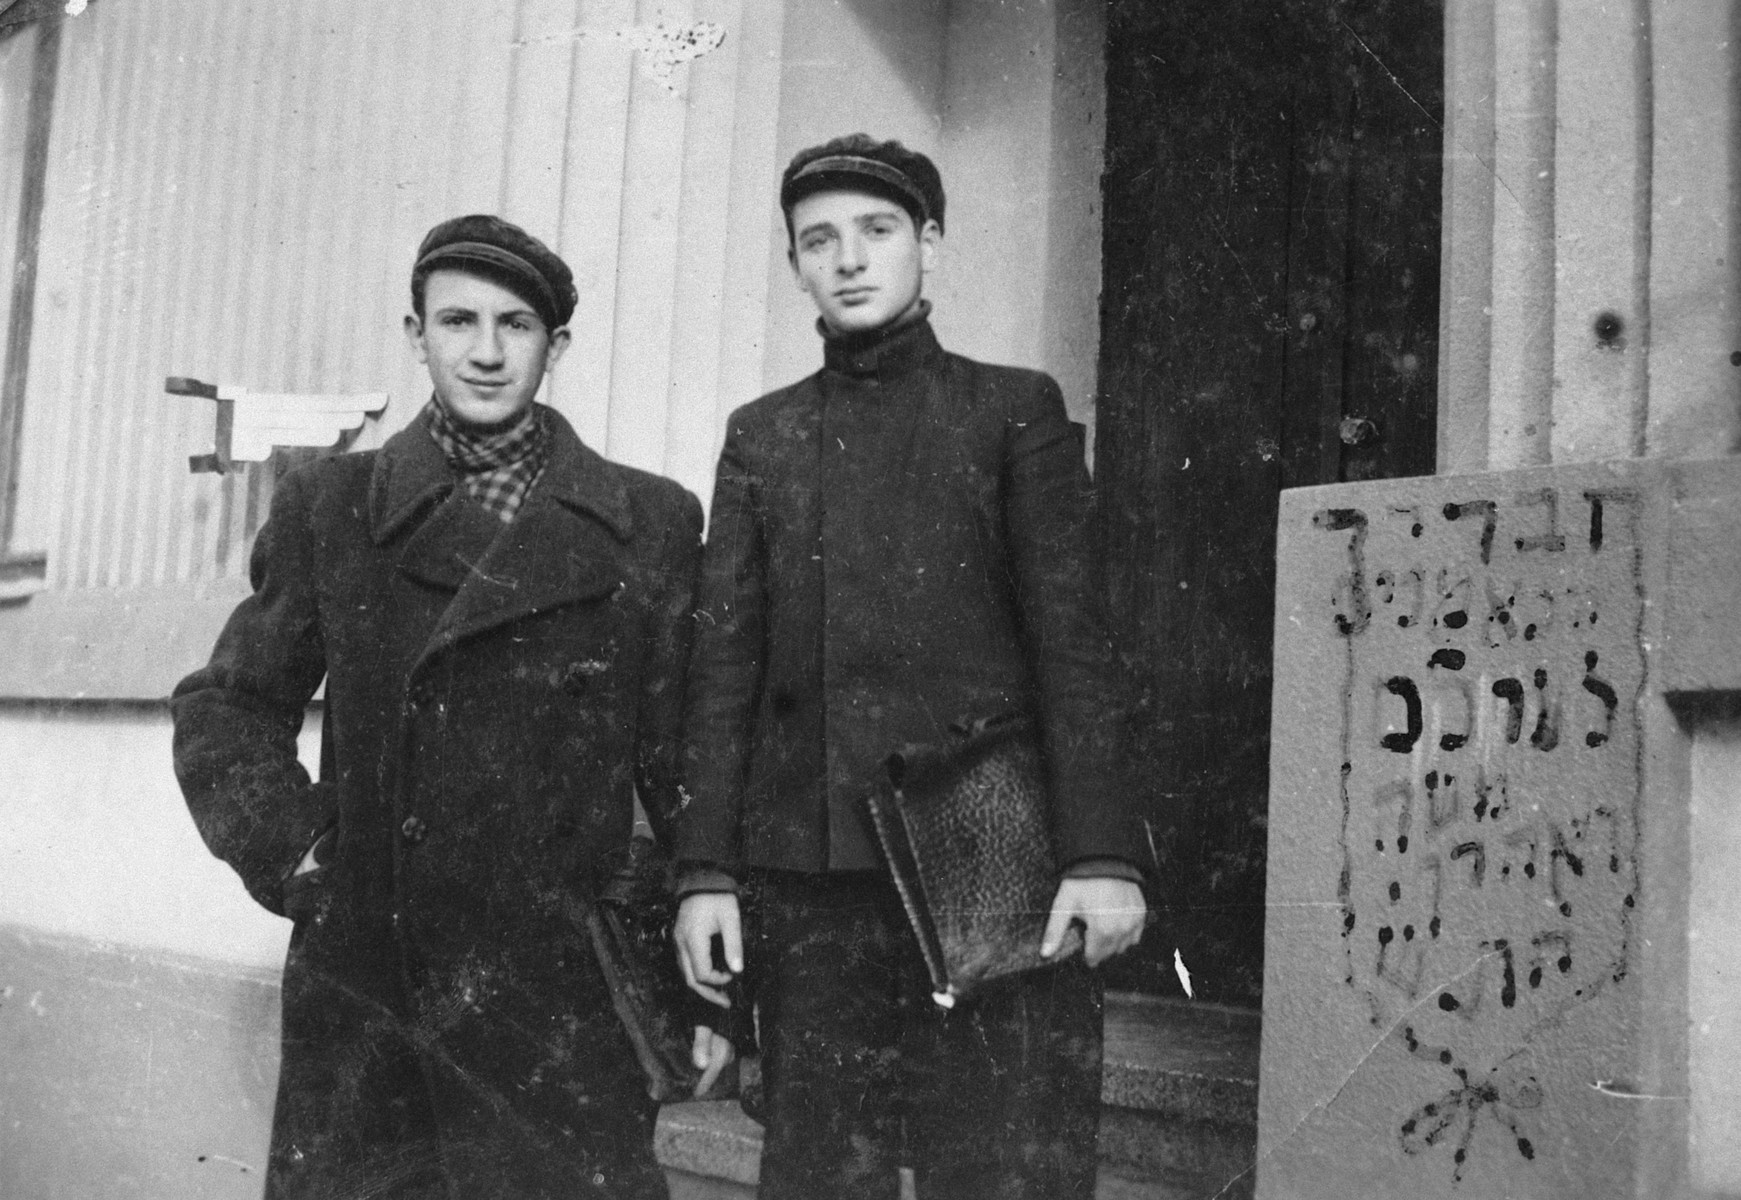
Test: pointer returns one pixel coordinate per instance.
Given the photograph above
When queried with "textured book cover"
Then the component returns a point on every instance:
(965, 828)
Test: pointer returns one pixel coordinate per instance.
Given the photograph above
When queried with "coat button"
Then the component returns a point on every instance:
(414, 829)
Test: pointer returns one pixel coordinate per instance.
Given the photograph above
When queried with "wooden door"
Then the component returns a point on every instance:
(1269, 319)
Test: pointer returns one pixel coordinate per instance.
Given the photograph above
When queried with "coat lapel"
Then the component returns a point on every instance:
(564, 546)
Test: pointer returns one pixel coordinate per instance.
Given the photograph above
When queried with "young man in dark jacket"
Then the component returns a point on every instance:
(502, 621)
(897, 542)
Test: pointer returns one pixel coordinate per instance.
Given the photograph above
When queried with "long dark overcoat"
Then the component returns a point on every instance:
(896, 542)
(494, 696)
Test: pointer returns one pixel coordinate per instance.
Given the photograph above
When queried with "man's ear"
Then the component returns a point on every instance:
(414, 335)
(558, 343)
(930, 243)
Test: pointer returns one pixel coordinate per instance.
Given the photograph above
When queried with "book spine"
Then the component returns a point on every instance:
(897, 845)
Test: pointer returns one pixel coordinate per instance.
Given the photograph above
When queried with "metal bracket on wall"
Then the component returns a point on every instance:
(250, 425)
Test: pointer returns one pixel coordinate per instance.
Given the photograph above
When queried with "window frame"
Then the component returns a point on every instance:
(21, 575)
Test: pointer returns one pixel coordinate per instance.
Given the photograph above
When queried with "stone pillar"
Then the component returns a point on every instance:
(1507, 722)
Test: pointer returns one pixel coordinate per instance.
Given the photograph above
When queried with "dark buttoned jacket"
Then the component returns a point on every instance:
(495, 695)
(896, 542)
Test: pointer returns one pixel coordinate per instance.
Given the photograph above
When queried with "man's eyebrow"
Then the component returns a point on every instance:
(505, 314)
(816, 227)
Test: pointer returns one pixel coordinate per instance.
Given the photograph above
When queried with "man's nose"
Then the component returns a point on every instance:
(486, 347)
(851, 259)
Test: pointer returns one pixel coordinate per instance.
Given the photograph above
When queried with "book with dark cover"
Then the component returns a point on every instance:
(966, 830)
(629, 926)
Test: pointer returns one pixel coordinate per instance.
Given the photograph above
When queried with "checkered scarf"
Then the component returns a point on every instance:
(496, 469)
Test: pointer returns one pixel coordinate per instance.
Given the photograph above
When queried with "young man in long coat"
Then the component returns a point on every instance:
(898, 542)
(502, 620)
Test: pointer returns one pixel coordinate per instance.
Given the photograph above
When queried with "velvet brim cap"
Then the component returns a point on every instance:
(846, 171)
(859, 162)
(503, 252)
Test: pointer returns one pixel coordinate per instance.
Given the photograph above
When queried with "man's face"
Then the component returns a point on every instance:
(859, 258)
(486, 349)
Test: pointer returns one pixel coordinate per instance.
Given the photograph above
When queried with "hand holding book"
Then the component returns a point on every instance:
(964, 828)
(1112, 913)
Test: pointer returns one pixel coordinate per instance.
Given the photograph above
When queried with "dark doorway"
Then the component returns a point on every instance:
(1269, 319)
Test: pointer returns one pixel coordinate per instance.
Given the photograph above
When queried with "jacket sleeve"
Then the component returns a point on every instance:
(659, 712)
(726, 674)
(1083, 700)
(237, 718)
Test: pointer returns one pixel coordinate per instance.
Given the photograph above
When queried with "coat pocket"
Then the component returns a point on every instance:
(308, 894)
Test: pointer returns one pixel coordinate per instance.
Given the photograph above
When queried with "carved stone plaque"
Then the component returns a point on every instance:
(1459, 775)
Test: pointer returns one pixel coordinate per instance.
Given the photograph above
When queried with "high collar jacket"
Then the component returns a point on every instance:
(897, 542)
(495, 696)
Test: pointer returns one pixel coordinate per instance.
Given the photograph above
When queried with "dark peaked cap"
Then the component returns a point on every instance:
(501, 252)
(858, 162)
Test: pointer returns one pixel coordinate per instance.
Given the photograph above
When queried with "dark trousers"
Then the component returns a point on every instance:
(863, 1072)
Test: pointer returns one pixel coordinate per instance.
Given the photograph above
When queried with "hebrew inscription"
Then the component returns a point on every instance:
(1490, 776)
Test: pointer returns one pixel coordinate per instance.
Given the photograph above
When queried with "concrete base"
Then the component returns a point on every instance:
(132, 1074)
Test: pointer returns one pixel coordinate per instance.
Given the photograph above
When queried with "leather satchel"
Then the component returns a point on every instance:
(965, 826)
(630, 927)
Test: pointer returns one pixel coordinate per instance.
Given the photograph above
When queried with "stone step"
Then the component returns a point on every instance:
(1179, 1123)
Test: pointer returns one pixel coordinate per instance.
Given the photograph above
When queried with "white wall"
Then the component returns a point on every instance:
(1024, 134)
(1592, 171)
(96, 842)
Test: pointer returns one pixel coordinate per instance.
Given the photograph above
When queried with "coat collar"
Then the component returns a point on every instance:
(885, 354)
(564, 546)
(411, 474)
